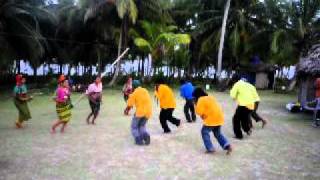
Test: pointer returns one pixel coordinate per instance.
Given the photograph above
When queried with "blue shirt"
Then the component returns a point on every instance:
(186, 91)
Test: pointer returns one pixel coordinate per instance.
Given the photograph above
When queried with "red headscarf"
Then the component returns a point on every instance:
(61, 78)
(317, 88)
(19, 78)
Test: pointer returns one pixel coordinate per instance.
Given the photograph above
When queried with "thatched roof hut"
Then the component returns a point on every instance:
(308, 69)
(259, 73)
(310, 65)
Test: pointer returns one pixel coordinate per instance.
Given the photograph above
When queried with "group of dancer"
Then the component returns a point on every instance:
(197, 101)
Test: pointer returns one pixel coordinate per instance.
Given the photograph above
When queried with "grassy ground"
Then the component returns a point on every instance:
(289, 148)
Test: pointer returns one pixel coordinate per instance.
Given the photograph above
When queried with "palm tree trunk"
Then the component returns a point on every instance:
(142, 67)
(223, 31)
(18, 66)
(121, 39)
(139, 66)
(60, 68)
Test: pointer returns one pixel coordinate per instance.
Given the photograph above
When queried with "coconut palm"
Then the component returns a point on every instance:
(21, 34)
(127, 11)
(159, 40)
(295, 29)
(223, 31)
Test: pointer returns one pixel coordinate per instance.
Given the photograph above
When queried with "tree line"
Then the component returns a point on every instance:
(186, 36)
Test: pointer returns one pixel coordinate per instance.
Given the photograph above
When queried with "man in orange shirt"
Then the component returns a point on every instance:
(210, 111)
(141, 99)
(167, 104)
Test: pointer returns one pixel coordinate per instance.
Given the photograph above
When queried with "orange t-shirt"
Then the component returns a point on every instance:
(208, 108)
(166, 97)
(141, 99)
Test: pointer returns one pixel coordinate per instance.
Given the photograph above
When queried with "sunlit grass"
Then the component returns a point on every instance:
(289, 148)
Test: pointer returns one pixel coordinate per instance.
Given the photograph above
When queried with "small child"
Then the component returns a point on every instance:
(141, 99)
(210, 111)
(63, 104)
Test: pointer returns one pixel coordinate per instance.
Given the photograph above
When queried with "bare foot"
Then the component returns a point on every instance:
(264, 123)
(229, 149)
(18, 125)
(53, 131)
(249, 132)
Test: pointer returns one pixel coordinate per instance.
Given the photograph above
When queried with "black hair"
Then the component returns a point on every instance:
(236, 77)
(182, 81)
(160, 81)
(198, 92)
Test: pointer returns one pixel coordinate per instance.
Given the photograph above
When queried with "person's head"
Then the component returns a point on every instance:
(159, 82)
(235, 78)
(182, 82)
(199, 92)
(19, 79)
(97, 79)
(244, 79)
(61, 80)
(129, 80)
(23, 80)
(65, 83)
(136, 84)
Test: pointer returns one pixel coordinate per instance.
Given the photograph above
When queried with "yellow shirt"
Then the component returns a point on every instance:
(242, 92)
(208, 108)
(141, 99)
(166, 97)
(254, 92)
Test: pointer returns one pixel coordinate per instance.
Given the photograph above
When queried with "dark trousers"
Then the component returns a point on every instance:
(254, 113)
(241, 120)
(125, 97)
(95, 107)
(166, 115)
(189, 110)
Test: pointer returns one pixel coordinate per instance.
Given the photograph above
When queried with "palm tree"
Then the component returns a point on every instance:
(159, 40)
(295, 30)
(21, 33)
(223, 31)
(127, 11)
(242, 25)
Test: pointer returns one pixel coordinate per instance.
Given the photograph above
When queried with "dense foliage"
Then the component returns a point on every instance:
(181, 34)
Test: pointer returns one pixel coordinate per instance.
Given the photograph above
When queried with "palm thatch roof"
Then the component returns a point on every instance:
(310, 65)
(257, 68)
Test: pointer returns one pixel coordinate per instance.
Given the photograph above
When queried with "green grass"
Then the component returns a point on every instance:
(289, 148)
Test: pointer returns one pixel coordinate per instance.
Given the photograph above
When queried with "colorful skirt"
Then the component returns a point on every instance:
(64, 111)
(24, 113)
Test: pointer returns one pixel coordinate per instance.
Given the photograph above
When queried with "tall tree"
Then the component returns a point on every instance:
(223, 31)
(21, 34)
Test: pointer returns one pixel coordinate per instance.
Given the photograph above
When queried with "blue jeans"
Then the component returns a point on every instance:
(205, 132)
(139, 131)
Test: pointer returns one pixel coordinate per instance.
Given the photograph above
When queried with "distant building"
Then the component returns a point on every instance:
(308, 69)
